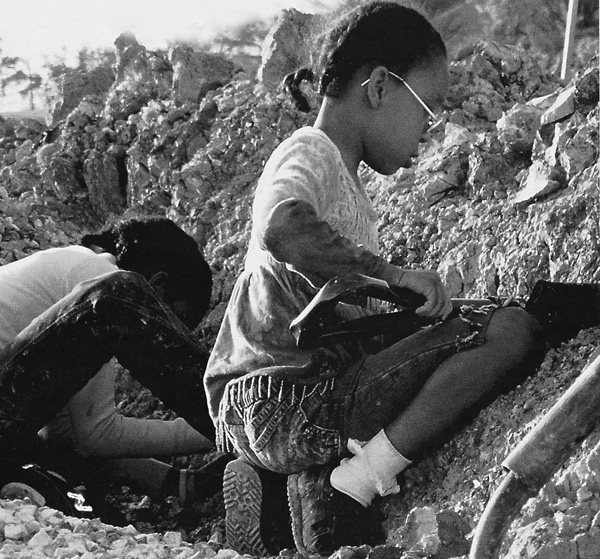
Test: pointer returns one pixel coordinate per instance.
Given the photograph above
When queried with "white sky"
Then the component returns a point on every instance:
(39, 30)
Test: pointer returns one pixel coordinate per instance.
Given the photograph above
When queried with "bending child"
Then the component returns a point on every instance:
(69, 315)
(344, 422)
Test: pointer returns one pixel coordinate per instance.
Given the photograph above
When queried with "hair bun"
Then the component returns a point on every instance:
(291, 84)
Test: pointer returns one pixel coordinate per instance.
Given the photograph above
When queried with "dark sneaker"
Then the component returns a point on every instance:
(323, 519)
(44, 488)
(563, 309)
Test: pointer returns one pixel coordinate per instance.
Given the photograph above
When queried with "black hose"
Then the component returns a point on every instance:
(538, 456)
(503, 506)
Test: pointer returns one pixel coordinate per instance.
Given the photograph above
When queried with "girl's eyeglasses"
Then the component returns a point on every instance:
(433, 120)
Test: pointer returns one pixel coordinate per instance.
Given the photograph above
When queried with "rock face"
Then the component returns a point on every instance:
(196, 73)
(285, 48)
(505, 193)
(77, 85)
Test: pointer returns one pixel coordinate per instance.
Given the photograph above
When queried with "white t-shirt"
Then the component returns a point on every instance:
(30, 286)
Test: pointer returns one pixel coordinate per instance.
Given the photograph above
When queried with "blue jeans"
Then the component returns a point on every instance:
(118, 315)
(288, 426)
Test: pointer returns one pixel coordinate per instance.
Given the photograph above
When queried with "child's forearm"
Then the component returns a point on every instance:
(295, 235)
(119, 436)
(98, 429)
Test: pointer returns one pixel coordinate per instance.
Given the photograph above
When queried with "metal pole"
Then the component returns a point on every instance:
(569, 35)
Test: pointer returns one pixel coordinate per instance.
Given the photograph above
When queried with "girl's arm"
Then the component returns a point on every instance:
(294, 234)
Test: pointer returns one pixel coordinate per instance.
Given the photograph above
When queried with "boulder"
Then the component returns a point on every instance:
(141, 76)
(542, 179)
(63, 177)
(563, 106)
(539, 540)
(74, 86)
(285, 47)
(439, 534)
(517, 128)
(106, 179)
(196, 73)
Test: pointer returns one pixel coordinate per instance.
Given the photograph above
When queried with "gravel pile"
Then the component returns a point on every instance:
(31, 532)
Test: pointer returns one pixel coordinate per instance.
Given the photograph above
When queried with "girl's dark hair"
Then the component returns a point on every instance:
(292, 84)
(377, 33)
(149, 245)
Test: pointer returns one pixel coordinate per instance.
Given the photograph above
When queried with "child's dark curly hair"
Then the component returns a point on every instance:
(377, 33)
(149, 245)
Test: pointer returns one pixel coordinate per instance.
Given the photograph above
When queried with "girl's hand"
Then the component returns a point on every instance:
(428, 284)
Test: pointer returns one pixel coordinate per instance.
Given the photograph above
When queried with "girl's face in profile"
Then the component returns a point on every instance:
(403, 120)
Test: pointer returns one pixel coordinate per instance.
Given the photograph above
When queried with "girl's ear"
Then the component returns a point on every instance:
(377, 85)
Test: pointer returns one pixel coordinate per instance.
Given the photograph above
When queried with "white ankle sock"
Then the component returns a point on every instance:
(371, 471)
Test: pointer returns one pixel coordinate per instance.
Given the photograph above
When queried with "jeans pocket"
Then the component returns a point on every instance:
(283, 436)
(262, 419)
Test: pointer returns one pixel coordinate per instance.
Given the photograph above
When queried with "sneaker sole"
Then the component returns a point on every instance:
(242, 494)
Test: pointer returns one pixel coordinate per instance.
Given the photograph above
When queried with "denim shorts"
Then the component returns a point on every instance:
(287, 426)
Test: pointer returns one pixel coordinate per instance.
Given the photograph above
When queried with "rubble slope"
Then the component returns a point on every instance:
(505, 194)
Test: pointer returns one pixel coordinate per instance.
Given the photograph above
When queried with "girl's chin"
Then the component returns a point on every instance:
(389, 168)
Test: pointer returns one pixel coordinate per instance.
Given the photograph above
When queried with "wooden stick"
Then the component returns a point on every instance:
(569, 35)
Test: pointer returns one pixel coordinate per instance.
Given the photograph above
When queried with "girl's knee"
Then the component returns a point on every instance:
(516, 345)
(515, 331)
